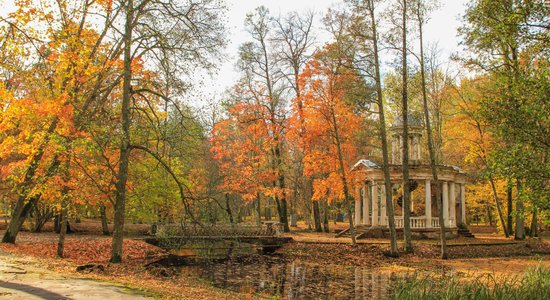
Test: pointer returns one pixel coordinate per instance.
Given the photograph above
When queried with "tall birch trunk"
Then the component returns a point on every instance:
(383, 134)
(431, 150)
(405, 113)
(123, 161)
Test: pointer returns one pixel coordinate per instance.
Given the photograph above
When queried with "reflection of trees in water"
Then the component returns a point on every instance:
(372, 285)
(294, 280)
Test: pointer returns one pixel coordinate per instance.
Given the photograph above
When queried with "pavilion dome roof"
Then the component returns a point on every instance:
(412, 120)
(369, 164)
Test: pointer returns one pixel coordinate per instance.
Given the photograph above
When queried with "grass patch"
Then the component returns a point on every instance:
(533, 284)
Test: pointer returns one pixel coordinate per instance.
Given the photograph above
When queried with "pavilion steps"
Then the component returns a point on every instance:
(466, 233)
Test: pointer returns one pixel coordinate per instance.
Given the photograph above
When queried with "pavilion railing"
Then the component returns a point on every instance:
(419, 222)
(399, 222)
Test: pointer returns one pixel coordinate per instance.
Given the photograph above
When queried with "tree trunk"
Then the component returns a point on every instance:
(499, 210)
(405, 113)
(293, 215)
(317, 216)
(284, 210)
(431, 149)
(239, 216)
(63, 231)
(276, 152)
(268, 214)
(534, 223)
(41, 217)
(348, 197)
(510, 209)
(228, 209)
(17, 220)
(308, 205)
(520, 229)
(284, 215)
(325, 217)
(383, 135)
(104, 223)
(295, 40)
(64, 211)
(57, 223)
(7, 206)
(24, 204)
(488, 212)
(278, 204)
(257, 210)
(122, 176)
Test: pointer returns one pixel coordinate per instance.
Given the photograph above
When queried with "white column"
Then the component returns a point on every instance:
(445, 192)
(416, 142)
(393, 149)
(452, 205)
(383, 216)
(419, 148)
(374, 204)
(366, 204)
(463, 202)
(412, 202)
(358, 206)
(428, 204)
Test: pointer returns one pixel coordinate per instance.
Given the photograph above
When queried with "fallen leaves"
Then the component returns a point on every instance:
(85, 252)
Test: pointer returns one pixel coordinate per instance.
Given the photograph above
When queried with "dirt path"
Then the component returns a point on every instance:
(20, 279)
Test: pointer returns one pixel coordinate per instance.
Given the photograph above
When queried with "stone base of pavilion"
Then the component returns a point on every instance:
(367, 231)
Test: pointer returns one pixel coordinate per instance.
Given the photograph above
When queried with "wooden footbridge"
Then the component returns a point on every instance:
(267, 236)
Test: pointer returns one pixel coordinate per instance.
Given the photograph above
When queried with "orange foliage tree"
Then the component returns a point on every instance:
(60, 74)
(329, 128)
(243, 146)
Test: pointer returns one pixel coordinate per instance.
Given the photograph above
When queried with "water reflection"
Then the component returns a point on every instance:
(238, 267)
(297, 280)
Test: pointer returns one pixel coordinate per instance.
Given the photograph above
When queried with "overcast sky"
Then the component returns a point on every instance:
(441, 29)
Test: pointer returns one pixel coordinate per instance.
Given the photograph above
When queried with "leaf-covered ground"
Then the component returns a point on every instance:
(137, 270)
(83, 252)
(81, 249)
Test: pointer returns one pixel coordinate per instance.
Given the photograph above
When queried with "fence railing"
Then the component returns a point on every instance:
(265, 229)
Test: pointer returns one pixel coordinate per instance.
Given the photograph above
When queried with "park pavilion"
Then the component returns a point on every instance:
(370, 204)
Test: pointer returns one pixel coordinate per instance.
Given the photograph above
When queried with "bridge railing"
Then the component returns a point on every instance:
(209, 230)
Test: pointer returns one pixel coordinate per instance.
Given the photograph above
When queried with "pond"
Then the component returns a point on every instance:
(238, 267)
(279, 277)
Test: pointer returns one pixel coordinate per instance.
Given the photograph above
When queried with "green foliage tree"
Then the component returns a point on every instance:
(508, 40)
